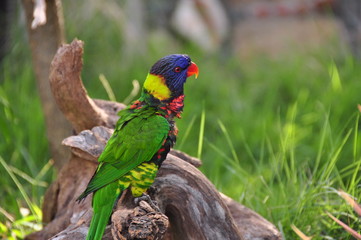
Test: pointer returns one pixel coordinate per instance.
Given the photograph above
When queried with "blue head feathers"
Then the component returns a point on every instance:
(175, 69)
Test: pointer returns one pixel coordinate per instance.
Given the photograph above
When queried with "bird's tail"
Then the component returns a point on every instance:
(103, 203)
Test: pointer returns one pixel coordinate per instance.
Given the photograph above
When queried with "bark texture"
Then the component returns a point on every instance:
(188, 205)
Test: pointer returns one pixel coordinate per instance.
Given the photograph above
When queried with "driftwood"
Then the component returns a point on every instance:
(188, 205)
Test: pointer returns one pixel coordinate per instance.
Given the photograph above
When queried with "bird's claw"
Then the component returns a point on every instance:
(147, 199)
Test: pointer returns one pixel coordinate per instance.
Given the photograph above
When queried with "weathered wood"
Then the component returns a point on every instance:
(251, 224)
(193, 205)
(189, 159)
(69, 91)
(188, 201)
(138, 222)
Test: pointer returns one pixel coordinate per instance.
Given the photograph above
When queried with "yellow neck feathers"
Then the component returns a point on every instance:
(156, 86)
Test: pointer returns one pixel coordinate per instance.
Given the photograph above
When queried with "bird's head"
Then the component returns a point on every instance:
(168, 75)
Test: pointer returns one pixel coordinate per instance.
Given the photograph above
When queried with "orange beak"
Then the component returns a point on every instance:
(192, 69)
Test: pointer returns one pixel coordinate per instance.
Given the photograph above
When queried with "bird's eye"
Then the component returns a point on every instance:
(177, 69)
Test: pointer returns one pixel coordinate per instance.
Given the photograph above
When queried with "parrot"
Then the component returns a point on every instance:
(142, 138)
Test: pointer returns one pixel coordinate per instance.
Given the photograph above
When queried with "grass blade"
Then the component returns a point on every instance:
(186, 133)
(229, 140)
(335, 77)
(321, 146)
(20, 187)
(355, 147)
(45, 169)
(332, 163)
(133, 93)
(26, 177)
(345, 226)
(107, 88)
(7, 215)
(350, 201)
(235, 166)
(300, 233)
(201, 134)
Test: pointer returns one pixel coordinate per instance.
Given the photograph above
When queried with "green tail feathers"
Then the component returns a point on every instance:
(98, 224)
(103, 203)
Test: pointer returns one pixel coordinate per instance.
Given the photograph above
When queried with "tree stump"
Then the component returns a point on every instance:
(189, 206)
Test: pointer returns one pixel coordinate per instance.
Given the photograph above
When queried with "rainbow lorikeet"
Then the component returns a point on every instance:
(142, 138)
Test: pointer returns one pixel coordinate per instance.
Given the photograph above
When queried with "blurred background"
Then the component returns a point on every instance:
(273, 114)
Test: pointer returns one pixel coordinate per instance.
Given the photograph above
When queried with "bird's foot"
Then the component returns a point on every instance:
(152, 190)
(145, 197)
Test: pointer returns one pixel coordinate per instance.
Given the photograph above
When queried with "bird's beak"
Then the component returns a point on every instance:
(192, 69)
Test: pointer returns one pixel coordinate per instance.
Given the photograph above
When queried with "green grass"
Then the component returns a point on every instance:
(279, 136)
(25, 168)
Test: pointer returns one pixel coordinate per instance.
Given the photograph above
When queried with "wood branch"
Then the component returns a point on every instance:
(44, 42)
(190, 206)
(193, 205)
(189, 159)
(250, 223)
(70, 94)
(138, 222)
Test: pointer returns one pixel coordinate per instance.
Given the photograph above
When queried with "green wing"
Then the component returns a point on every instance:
(133, 142)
